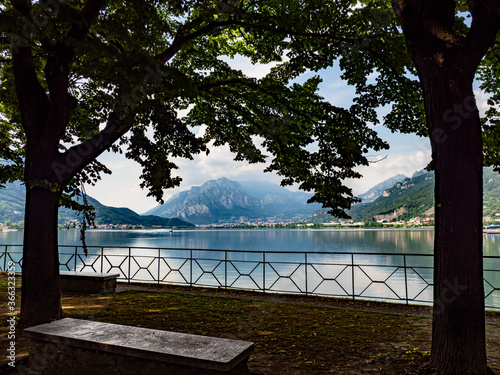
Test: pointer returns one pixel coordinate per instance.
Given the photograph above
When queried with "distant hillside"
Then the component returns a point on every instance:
(379, 189)
(491, 196)
(415, 197)
(120, 215)
(12, 202)
(225, 201)
(403, 201)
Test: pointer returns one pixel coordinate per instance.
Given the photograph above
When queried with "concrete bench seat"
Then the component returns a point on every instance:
(88, 282)
(73, 346)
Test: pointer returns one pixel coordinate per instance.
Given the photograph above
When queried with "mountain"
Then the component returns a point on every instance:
(415, 197)
(121, 215)
(322, 215)
(491, 194)
(402, 201)
(225, 201)
(12, 202)
(379, 189)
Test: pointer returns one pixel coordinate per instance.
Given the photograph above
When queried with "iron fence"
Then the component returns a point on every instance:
(392, 277)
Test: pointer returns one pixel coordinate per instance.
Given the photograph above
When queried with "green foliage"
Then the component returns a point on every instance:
(489, 75)
(491, 197)
(136, 66)
(373, 224)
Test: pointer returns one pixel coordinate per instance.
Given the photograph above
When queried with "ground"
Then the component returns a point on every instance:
(292, 334)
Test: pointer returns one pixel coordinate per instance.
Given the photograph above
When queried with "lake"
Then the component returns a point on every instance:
(348, 240)
(335, 262)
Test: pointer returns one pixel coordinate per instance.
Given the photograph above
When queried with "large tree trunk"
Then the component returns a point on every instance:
(446, 63)
(458, 334)
(41, 295)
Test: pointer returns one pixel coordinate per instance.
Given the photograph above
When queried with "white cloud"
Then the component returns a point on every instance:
(252, 70)
(122, 187)
(481, 101)
(218, 163)
(388, 167)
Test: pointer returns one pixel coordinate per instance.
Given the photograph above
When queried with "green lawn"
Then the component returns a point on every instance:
(298, 336)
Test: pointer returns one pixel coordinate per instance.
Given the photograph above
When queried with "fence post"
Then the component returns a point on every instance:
(225, 269)
(5, 259)
(263, 272)
(305, 258)
(76, 255)
(129, 255)
(190, 267)
(102, 259)
(159, 260)
(352, 275)
(406, 278)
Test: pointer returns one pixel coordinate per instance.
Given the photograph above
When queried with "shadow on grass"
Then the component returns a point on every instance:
(292, 336)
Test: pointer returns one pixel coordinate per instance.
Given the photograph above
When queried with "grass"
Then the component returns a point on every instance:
(291, 335)
(303, 338)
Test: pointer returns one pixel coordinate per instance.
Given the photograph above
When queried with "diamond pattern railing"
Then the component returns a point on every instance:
(380, 276)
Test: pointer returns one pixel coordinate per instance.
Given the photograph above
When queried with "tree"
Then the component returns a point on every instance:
(447, 56)
(446, 62)
(446, 51)
(77, 65)
(421, 57)
(82, 77)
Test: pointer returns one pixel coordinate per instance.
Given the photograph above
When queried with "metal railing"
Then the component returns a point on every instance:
(391, 277)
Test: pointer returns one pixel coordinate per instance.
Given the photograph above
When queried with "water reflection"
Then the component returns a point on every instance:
(401, 269)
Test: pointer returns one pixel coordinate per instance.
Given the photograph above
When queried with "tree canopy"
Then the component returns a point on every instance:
(121, 78)
(80, 77)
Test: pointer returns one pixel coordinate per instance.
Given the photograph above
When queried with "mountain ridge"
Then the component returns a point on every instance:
(376, 191)
(12, 203)
(225, 201)
(414, 197)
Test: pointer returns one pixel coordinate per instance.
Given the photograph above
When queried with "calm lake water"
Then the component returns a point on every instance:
(417, 241)
(388, 276)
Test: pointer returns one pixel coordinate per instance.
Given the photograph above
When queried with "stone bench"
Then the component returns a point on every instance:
(73, 347)
(88, 282)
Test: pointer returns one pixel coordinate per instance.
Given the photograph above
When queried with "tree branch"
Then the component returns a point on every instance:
(89, 14)
(484, 28)
(58, 66)
(76, 158)
(33, 102)
(180, 38)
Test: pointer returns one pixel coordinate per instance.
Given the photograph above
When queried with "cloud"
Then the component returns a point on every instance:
(252, 70)
(218, 163)
(481, 101)
(122, 187)
(391, 166)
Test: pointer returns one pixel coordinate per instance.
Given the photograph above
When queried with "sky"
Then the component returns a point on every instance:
(407, 154)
